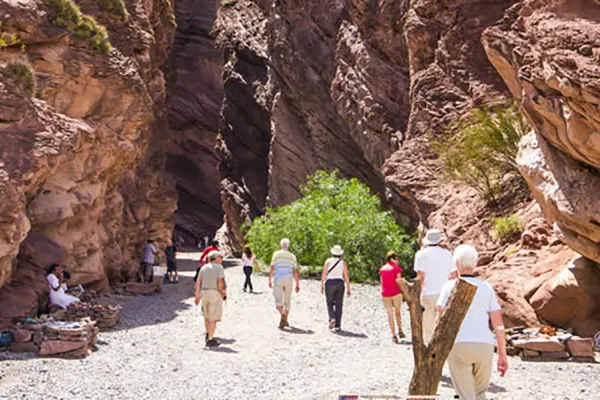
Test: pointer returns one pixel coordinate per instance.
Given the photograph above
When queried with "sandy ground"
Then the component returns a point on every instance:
(157, 352)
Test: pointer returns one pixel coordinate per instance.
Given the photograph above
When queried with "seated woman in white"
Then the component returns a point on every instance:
(58, 288)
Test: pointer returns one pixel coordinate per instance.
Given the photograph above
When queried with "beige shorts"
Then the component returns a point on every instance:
(393, 302)
(282, 291)
(212, 305)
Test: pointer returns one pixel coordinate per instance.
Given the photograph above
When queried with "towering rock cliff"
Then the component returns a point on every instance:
(81, 155)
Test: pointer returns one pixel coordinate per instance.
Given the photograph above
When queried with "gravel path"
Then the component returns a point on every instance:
(157, 352)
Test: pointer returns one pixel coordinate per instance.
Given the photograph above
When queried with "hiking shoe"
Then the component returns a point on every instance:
(338, 329)
(285, 321)
(401, 334)
(244, 289)
(282, 322)
(212, 343)
(176, 279)
(331, 324)
(395, 340)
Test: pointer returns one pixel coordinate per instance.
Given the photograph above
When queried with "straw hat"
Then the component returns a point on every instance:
(433, 236)
(337, 250)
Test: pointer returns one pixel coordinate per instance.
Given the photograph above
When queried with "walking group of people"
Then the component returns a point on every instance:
(470, 361)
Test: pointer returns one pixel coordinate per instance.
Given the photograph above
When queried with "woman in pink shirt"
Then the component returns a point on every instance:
(392, 297)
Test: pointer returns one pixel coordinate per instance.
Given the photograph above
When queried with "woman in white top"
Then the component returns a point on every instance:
(58, 288)
(249, 261)
(472, 355)
(335, 273)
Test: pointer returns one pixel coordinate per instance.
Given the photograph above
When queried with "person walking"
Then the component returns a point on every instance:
(171, 255)
(434, 266)
(210, 288)
(335, 273)
(249, 261)
(283, 271)
(392, 296)
(148, 261)
(203, 257)
(471, 358)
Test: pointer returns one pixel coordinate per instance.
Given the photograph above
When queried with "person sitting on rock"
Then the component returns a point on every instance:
(56, 281)
(210, 288)
(470, 360)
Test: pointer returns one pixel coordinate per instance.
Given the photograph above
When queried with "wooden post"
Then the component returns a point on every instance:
(430, 359)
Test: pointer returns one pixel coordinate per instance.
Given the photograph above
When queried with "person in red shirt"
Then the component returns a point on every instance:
(392, 297)
(214, 246)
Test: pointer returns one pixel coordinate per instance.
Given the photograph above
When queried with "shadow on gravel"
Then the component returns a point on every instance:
(351, 334)
(225, 341)
(162, 307)
(221, 349)
(293, 329)
(447, 382)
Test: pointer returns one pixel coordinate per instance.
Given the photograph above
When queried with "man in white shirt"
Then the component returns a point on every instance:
(148, 261)
(434, 266)
(471, 359)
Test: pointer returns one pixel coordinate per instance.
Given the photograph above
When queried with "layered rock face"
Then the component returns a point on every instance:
(344, 85)
(82, 158)
(546, 52)
(195, 98)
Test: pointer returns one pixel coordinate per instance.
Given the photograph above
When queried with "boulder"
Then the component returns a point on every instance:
(555, 355)
(29, 347)
(539, 344)
(571, 298)
(51, 347)
(530, 353)
(581, 347)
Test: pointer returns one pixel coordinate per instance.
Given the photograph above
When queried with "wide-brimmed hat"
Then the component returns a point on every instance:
(337, 250)
(433, 236)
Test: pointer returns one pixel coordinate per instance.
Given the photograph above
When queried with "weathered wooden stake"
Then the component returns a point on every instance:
(429, 360)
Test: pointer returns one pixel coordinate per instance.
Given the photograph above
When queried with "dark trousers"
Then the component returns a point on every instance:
(248, 282)
(334, 293)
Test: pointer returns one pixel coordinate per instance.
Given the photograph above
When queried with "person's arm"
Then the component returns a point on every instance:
(323, 276)
(222, 288)
(497, 324)
(198, 289)
(271, 272)
(347, 277)
(297, 277)
(421, 276)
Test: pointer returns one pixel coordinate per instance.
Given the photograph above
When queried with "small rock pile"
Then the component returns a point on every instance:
(546, 342)
(52, 338)
(105, 316)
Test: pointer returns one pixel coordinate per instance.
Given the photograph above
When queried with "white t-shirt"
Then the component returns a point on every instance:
(149, 252)
(338, 271)
(436, 262)
(248, 262)
(475, 327)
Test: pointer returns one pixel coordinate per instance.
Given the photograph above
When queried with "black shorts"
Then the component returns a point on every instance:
(171, 265)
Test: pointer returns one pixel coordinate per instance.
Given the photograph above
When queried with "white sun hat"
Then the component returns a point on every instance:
(337, 250)
(433, 236)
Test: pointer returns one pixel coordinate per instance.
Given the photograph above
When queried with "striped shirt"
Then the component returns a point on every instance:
(284, 263)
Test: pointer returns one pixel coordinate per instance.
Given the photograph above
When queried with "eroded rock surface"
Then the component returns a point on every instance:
(547, 53)
(82, 159)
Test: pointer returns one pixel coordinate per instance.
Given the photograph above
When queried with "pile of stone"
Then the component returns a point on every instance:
(52, 338)
(546, 342)
(105, 316)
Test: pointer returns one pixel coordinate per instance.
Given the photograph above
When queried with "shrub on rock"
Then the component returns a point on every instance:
(334, 211)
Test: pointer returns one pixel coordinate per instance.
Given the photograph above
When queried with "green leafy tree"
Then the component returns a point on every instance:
(334, 211)
(482, 150)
